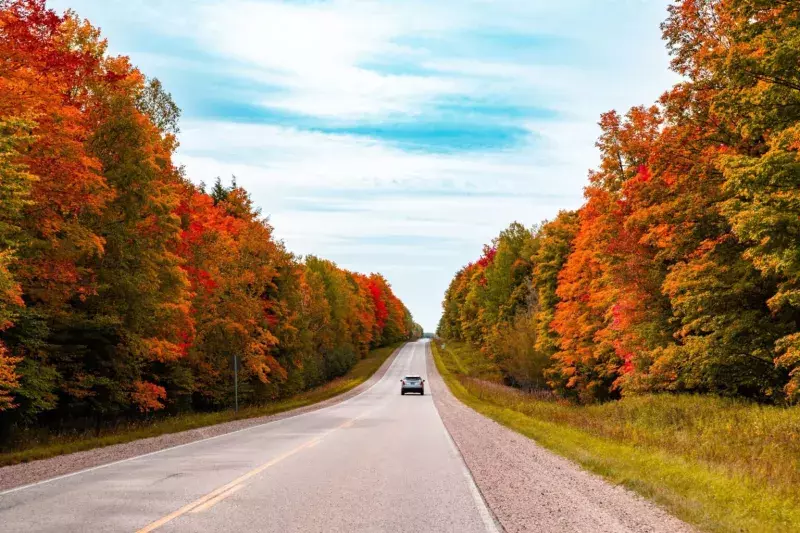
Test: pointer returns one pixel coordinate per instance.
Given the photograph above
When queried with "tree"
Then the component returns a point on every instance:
(601, 285)
(15, 187)
(739, 56)
(47, 63)
(554, 244)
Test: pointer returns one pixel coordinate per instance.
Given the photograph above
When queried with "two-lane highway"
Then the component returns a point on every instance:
(376, 462)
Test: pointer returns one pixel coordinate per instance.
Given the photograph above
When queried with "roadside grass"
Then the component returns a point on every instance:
(54, 445)
(470, 363)
(722, 465)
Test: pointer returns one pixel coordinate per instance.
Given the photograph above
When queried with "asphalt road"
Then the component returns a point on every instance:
(376, 462)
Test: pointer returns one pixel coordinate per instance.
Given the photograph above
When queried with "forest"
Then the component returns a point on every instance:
(680, 273)
(125, 288)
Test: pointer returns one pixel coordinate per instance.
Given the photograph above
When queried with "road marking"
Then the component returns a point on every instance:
(222, 492)
(218, 492)
(192, 443)
(212, 502)
(489, 522)
(483, 509)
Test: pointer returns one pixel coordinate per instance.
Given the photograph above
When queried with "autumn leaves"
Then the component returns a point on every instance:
(681, 271)
(123, 286)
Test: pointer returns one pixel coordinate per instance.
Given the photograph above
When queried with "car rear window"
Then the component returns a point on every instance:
(413, 378)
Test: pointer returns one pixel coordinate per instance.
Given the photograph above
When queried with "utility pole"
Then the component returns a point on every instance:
(236, 384)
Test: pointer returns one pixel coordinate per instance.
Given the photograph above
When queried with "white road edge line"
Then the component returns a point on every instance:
(106, 465)
(489, 521)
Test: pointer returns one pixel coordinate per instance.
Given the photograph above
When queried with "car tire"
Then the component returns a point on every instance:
(422, 393)
(402, 393)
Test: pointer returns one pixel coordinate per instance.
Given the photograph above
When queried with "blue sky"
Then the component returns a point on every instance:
(401, 136)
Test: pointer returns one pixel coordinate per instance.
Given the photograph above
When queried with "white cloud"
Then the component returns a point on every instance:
(320, 52)
(279, 157)
(317, 51)
(320, 57)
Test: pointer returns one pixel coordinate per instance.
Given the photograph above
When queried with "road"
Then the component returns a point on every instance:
(376, 462)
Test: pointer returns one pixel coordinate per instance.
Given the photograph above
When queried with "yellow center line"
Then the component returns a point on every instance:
(213, 501)
(223, 491)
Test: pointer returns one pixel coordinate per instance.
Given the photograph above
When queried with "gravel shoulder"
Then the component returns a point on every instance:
(26, 473)
(529, 488)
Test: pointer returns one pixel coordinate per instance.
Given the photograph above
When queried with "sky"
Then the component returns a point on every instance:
(394, 136)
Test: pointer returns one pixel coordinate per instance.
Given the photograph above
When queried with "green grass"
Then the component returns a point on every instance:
(470, 362)
(720, 464)
(54, 445)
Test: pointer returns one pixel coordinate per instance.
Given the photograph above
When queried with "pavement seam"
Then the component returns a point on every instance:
(393, 358)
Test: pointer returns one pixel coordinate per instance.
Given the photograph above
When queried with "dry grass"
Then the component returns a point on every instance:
(44, 446)
(762, 441)
(722, 464)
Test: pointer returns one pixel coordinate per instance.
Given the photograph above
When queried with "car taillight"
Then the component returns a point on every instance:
(403, 381)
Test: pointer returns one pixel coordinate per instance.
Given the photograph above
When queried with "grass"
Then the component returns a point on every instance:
(55, 445)
(720, 464)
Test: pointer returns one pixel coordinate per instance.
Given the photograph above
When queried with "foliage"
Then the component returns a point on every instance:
(124, 288)
(681, 271)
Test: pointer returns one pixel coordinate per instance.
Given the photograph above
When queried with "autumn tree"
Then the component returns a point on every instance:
(728, 336)
(46, 66)
(554, 244)
(15, 187)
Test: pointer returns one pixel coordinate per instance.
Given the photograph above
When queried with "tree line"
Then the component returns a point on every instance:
(681, 270)
(126, 289)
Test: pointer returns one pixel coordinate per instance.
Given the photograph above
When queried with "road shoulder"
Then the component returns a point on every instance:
(529, 488)
(18, 475)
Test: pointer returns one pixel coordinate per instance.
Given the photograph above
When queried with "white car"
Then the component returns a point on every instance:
(412, 384)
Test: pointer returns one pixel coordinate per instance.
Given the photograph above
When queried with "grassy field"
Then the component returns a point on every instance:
(54, 445)
(720, 464)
